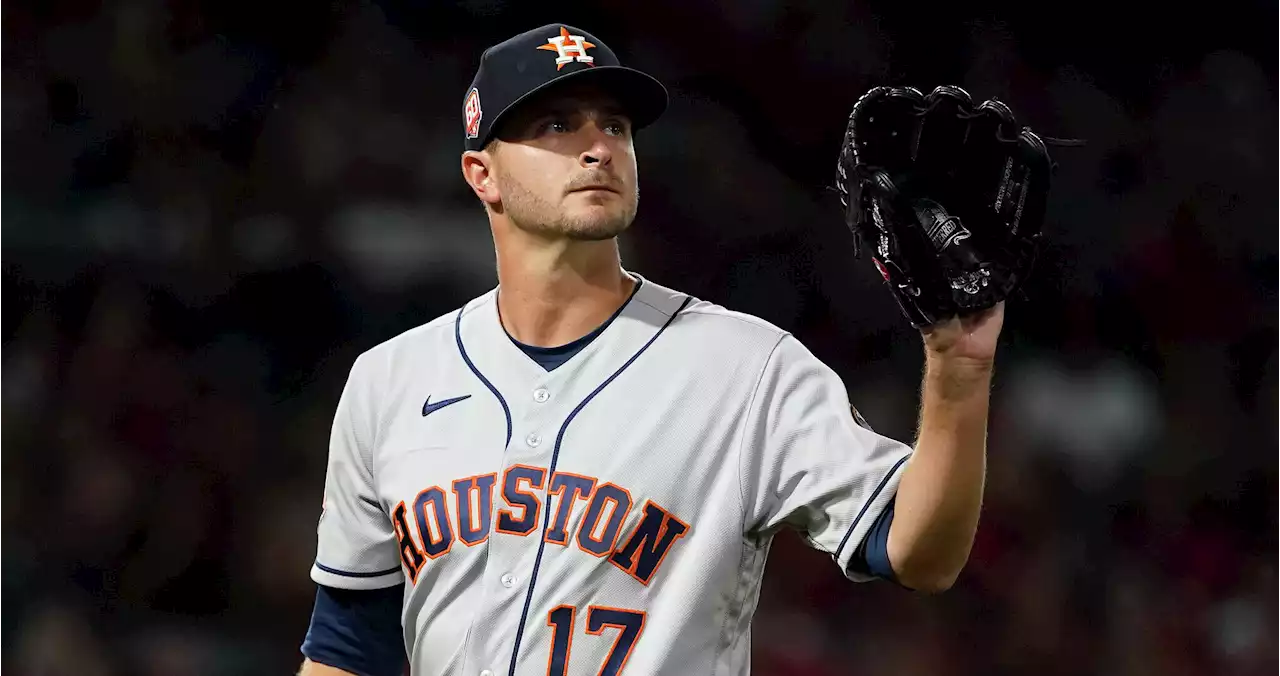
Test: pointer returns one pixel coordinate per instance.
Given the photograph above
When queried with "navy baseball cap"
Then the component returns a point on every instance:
(532, 62)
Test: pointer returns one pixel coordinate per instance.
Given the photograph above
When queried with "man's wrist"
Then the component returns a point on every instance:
(955, 378)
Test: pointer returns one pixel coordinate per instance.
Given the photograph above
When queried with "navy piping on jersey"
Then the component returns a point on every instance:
(457, 334)
(867, 504)
(347, 573)
(551, 358)
(555, 456)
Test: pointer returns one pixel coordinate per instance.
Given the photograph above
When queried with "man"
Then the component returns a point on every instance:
(581, 471)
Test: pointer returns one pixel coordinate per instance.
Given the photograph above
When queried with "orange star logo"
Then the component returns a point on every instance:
(569, 48)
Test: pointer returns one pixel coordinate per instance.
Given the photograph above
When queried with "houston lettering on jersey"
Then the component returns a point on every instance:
(439, 517)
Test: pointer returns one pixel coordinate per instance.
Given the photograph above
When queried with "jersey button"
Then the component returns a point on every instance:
(541, 395)
(508, 580)
(486, 672)
(533, 440)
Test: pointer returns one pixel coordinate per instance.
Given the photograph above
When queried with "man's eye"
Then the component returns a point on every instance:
(558, 126)
(615, 128)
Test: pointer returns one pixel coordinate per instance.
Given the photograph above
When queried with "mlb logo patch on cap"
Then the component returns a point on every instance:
(472, 113)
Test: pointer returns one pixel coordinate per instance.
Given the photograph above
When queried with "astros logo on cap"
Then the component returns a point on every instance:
(570, 48)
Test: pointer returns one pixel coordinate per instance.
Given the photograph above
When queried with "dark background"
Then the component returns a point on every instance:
(210, 208)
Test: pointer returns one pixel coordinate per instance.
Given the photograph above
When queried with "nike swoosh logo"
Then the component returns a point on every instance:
(429, 408)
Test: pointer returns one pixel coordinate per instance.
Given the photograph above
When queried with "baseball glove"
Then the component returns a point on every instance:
(949, 195)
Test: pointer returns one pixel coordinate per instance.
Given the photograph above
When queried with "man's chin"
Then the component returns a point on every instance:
(596, 232)
(597, 226)
(583, 226)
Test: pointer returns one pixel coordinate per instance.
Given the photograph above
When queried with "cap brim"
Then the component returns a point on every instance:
(642, 97)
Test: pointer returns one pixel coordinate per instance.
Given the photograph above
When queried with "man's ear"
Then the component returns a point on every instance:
(477, 171)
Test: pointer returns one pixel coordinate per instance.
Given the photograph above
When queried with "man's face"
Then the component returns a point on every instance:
(566, 168)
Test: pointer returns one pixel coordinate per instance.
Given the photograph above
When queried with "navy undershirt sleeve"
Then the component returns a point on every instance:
(357, 631)
(872, 556)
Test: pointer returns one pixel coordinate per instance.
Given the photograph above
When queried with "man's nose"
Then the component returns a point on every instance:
(598, 153)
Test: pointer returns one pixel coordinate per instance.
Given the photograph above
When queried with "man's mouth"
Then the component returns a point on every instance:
(588, 188)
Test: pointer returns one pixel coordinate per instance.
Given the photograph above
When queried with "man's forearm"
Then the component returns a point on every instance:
(310, 668)
(940, 495)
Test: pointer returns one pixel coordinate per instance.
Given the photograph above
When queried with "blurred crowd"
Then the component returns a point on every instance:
(210, 210)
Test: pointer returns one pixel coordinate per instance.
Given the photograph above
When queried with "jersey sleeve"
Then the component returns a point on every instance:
(809, 463)
(356, 544)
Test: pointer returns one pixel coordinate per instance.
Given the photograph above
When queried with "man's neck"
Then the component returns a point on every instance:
(550, 294)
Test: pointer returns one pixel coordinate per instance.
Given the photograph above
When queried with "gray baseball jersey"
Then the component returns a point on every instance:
(610, 516)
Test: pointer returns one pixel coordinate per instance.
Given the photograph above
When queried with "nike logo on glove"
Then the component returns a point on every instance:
(428, 407)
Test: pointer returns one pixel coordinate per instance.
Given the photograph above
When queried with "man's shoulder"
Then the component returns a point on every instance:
(717, 317)
(723, 326)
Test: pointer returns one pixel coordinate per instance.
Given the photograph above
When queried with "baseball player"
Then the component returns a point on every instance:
(580, 472)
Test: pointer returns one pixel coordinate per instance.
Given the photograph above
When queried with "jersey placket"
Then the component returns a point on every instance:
(538, 410)
(542, 407)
